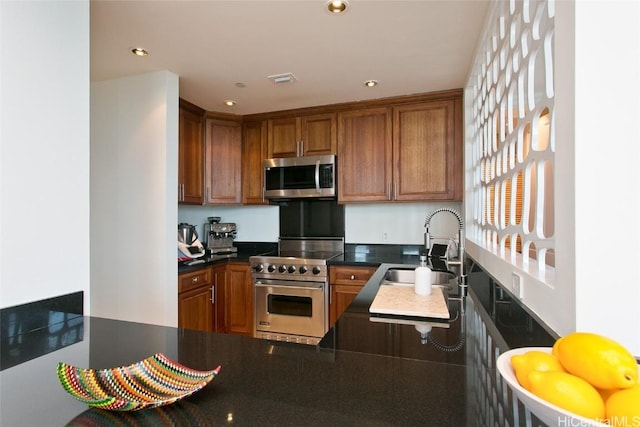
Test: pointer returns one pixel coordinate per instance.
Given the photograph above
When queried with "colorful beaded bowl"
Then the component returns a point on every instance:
(154, 381)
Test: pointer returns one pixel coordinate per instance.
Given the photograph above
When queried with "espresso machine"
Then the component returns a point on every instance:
(220, 236)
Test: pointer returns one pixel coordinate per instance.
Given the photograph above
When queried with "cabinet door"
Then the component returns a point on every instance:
(254, 151)
(196, 300)
(239, 299)
(219, 279)
(319, 134)
(196, 309)
(190, 154)
(346, 283)
(284, 137)
(364, 155)
(426, 162)
(223, 155)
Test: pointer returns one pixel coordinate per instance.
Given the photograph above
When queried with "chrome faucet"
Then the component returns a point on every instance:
(427, 241)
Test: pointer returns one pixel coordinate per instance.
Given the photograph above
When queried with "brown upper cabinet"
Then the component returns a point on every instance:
(254, 151)
(302, 136)
(427, 151)
(190, 154)
(364, 155)
(223, 161)
(395, 149)
(404, 152)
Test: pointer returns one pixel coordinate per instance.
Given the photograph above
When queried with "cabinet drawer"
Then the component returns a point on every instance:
(194, 279)
(350, 275)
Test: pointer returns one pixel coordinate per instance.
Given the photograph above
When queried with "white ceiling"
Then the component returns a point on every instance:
(408, 46)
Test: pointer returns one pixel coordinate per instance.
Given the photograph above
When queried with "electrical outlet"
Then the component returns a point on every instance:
(385, 236)
(516, 285)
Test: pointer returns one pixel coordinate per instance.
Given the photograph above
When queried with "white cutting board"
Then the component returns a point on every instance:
(403, 301)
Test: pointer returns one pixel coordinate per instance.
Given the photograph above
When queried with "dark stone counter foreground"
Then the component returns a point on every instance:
(367, 371)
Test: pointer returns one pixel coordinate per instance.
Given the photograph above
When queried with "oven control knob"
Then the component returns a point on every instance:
(282, 268)
(292, 269)
(316, 270)
(258, 268)
(303, 269)
(271, 268)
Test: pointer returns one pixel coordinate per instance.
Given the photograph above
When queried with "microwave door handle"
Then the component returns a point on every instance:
(317, 176)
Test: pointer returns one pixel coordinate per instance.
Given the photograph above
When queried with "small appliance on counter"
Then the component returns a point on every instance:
(220, 236)
(188, 244)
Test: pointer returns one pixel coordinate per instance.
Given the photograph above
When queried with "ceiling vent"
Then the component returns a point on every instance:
(282, 78)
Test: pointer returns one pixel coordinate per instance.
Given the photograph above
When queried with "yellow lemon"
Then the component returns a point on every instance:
(554, 349)
(601, 361)
(605, 394)
(623, 407)
(533, 360)
(568, 392)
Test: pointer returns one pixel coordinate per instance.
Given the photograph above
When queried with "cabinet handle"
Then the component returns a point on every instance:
(353, 277)
(395, 190)
(389, 190)
(195, 279)
(213, 294)
(301, 148)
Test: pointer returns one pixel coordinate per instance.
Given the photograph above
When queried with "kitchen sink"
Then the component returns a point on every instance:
(406, 276)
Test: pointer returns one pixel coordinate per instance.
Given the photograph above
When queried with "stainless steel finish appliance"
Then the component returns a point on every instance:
(188, 244)
(292, 289)
(220, 236)
(300, 177)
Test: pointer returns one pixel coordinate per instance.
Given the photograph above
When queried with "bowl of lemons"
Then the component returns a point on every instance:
(585, 379)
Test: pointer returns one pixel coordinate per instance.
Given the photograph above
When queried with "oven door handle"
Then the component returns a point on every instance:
(259, 284)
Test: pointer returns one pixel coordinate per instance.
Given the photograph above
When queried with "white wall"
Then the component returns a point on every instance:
(134, 180)
(44, 150)
(607, 175)
(403, 223)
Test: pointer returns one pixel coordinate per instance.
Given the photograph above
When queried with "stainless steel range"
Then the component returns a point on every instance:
(292, 289)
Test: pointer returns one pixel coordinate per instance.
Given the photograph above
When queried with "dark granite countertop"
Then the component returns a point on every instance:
(376, 254)
(366, 370)
(363, 372)
(245, 251)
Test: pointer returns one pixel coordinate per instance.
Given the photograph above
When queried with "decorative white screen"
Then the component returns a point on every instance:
(511, 158)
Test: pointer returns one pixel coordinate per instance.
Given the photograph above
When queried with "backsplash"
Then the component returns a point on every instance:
(379, 223)
(54, 323)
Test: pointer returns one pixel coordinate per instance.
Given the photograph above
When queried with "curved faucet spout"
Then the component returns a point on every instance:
(427, 223)
(461, 248)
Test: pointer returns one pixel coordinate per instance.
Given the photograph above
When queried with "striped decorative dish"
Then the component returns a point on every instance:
(154, 381)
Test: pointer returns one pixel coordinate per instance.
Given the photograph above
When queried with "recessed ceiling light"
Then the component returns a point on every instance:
(371, 83)
(139, 51)
(337, 6)
(229, 103)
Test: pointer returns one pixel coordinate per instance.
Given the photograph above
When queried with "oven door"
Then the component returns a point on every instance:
(291, 307)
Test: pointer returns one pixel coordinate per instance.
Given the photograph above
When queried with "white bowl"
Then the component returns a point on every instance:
(545, 411)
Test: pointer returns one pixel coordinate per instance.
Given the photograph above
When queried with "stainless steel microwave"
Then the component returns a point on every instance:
(300, 177)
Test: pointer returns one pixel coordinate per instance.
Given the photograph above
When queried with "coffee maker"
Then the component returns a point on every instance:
(220, 236)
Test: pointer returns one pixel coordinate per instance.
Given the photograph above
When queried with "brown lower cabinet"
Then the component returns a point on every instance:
(196, 300)
(238, 299)
(345, 283)
(217, 299)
